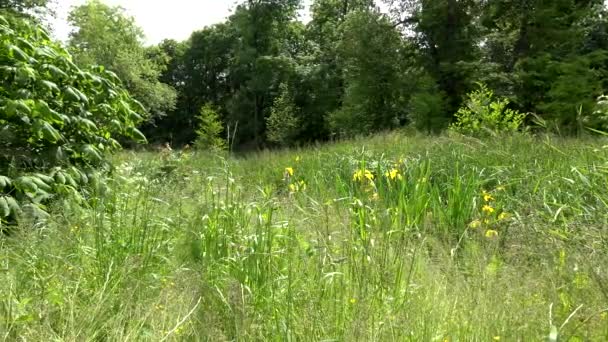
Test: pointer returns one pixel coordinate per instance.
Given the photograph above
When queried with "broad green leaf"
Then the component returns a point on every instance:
(50, 86)
(19, 54)
(50, 133)
(91, 153)
(4, 182)
(70, 94)
(5, 210)
(13, 205)
(26, 184)
(137, 135)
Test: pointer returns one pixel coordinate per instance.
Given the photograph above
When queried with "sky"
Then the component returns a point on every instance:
(160, 19)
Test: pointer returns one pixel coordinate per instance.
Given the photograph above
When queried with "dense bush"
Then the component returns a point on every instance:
(57, 121)
(209, 132)
(483, 113)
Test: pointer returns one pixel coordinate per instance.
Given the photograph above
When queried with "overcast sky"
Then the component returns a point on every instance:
(160, 19)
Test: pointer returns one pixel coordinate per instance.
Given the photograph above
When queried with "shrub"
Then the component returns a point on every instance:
(57, 121)
(483, 113)
(598, 120)
(209, 133)
(282, 124)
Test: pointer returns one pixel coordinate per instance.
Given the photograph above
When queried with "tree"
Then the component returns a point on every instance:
(283, 123)
(209, 132)
(554, 51)
(371, 54)
(446, 35)
(21, 6)
(106, 36)
(258, 66)
(57, 121)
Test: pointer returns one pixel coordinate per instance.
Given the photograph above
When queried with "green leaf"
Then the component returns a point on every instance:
(91, 153)
(47, 113)
(60, 177)
(5, 210)
(13, 205)
(89, 125)
(50, 86)
(55, 71)
(26, 184)
(137, 135)
(70, 94)
(49, 133)
(4, 182)
(41, 184)
(19, 54)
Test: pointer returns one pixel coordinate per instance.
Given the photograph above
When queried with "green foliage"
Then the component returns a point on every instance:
(440, 238)
(209, 133)
(427, 107)
(282, 125)
(483, 113)
(107, 36)
(371, 54)
(53, 115)
(598, 119)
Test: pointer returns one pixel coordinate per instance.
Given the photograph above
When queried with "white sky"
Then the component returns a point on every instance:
(160, 19)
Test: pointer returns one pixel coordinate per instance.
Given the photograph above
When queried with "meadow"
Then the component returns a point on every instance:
(392, 238)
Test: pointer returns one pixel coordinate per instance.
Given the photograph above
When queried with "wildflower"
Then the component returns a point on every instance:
(490, 233)
(393, 174)
(352, 300)
(302, 185)
(292, 188)
(298, 159)
(502, 216)
(487, 197)
(487, 209)
(496, 338)
(475, 224)
(288, 171)
(359, 175)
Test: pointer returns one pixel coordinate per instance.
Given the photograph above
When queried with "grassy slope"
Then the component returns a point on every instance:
(197, 247)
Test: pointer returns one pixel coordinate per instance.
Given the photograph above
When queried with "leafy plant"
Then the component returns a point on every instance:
(282, 124)
(57, 121)
(484, 113)
(210, 130)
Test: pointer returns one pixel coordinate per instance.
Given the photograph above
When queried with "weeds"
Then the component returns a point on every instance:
(410, 238)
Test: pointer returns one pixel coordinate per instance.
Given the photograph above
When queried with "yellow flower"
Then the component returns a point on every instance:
(298, 159)
(490, 233)
(487, 197)
(289, 171)
(487, 209)
(352, 300)
(359, 175)
(475, 224)
(496, 338)
(292, 188)
(393, 174)
(503, 216)
(302, 185)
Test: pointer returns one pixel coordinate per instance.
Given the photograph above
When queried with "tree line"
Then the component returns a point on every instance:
(268, 79)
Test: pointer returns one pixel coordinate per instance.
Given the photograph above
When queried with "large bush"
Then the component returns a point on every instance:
(484, 113)
(57, 121)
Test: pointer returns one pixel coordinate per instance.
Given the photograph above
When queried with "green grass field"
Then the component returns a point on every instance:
(393, 238)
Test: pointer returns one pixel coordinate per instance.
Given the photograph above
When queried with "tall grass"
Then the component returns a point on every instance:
(388, 238)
